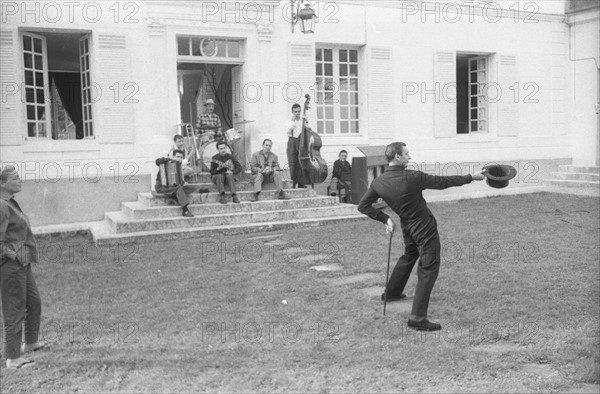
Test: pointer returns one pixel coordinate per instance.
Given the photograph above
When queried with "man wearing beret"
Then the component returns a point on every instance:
(402, 190)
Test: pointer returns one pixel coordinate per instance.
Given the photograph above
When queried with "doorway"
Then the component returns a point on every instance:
(198, 82)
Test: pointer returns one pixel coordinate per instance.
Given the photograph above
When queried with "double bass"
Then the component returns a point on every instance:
(314, 167)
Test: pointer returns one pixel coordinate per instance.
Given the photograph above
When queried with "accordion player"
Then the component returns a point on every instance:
(169, 182)
(169, 172)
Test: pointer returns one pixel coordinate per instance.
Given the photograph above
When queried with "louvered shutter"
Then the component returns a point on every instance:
(11, 89)
(301, 70)
(381, 94)
(508, 106)
(111, 72)
(444, 81)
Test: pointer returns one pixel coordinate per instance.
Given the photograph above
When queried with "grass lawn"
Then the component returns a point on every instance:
(517, 297)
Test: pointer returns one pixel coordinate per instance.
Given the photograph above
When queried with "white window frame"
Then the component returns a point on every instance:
(329, 91)
(207, 58)
(478, 103)
(87, 105)
(49, 110)
(45, 84)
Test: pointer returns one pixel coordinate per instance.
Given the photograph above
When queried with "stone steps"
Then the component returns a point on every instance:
(155, 217)
(120, 223)
(139, 211)
(213, 197)
(103, 236)
(241, 186)
(575, 179)
(579, 169)
(575, 176)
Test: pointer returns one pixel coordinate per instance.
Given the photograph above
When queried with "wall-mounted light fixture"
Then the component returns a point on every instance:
(305, 15)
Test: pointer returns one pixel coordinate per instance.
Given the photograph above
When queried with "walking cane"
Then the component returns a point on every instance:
(387, 275)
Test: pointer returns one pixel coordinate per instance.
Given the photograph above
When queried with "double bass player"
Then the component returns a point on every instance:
(293, 129)
(304, 157)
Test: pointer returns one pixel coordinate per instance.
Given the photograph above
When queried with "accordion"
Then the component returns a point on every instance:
(170, 173)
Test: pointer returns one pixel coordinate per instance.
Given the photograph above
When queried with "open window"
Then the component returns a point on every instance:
(58, 97)
(472, 103)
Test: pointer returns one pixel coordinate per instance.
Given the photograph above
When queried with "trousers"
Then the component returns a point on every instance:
(294, 164)
(224, 179)
(21, 306)
(180, 192)
(421, 242)
(260, 178)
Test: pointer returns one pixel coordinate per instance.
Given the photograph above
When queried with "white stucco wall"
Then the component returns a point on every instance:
(584, 56)
(557, 122)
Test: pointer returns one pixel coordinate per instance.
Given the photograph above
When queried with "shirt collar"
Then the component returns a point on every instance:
(396, 168)
(6, 197)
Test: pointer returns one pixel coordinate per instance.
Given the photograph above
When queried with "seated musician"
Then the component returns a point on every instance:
(265, 167)
(222, 168)
(209, 122)
(176, 188)
(188, 156)
(342, 175)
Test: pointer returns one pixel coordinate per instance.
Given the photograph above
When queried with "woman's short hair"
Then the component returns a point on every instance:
(6, 171)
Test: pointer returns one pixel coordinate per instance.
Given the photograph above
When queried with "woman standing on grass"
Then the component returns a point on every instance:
(21, 303)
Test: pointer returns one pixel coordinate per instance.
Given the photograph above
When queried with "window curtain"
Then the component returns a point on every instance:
(68, 86)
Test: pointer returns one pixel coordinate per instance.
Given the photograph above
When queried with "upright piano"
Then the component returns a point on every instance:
(367, 168)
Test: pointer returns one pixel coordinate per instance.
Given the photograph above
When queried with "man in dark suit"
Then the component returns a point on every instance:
(402, 190)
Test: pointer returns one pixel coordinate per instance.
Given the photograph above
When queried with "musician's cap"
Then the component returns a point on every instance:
(498, 175)
(209, 102)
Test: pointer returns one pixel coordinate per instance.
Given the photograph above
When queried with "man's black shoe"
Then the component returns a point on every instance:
(283, 196)
(188, 214)
(424, 325)
(392, 298)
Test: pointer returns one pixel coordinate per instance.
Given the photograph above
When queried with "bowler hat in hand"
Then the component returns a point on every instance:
(498, 175)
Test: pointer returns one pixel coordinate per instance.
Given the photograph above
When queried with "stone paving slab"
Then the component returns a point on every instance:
(353, 279)
(374, 293)
(327, 267)
(316, 259)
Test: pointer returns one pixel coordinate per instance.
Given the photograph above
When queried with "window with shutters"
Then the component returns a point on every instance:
(472, 87)
(337, 93)
(57, 85)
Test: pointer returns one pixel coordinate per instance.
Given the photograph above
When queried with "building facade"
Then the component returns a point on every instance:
(93, 92)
